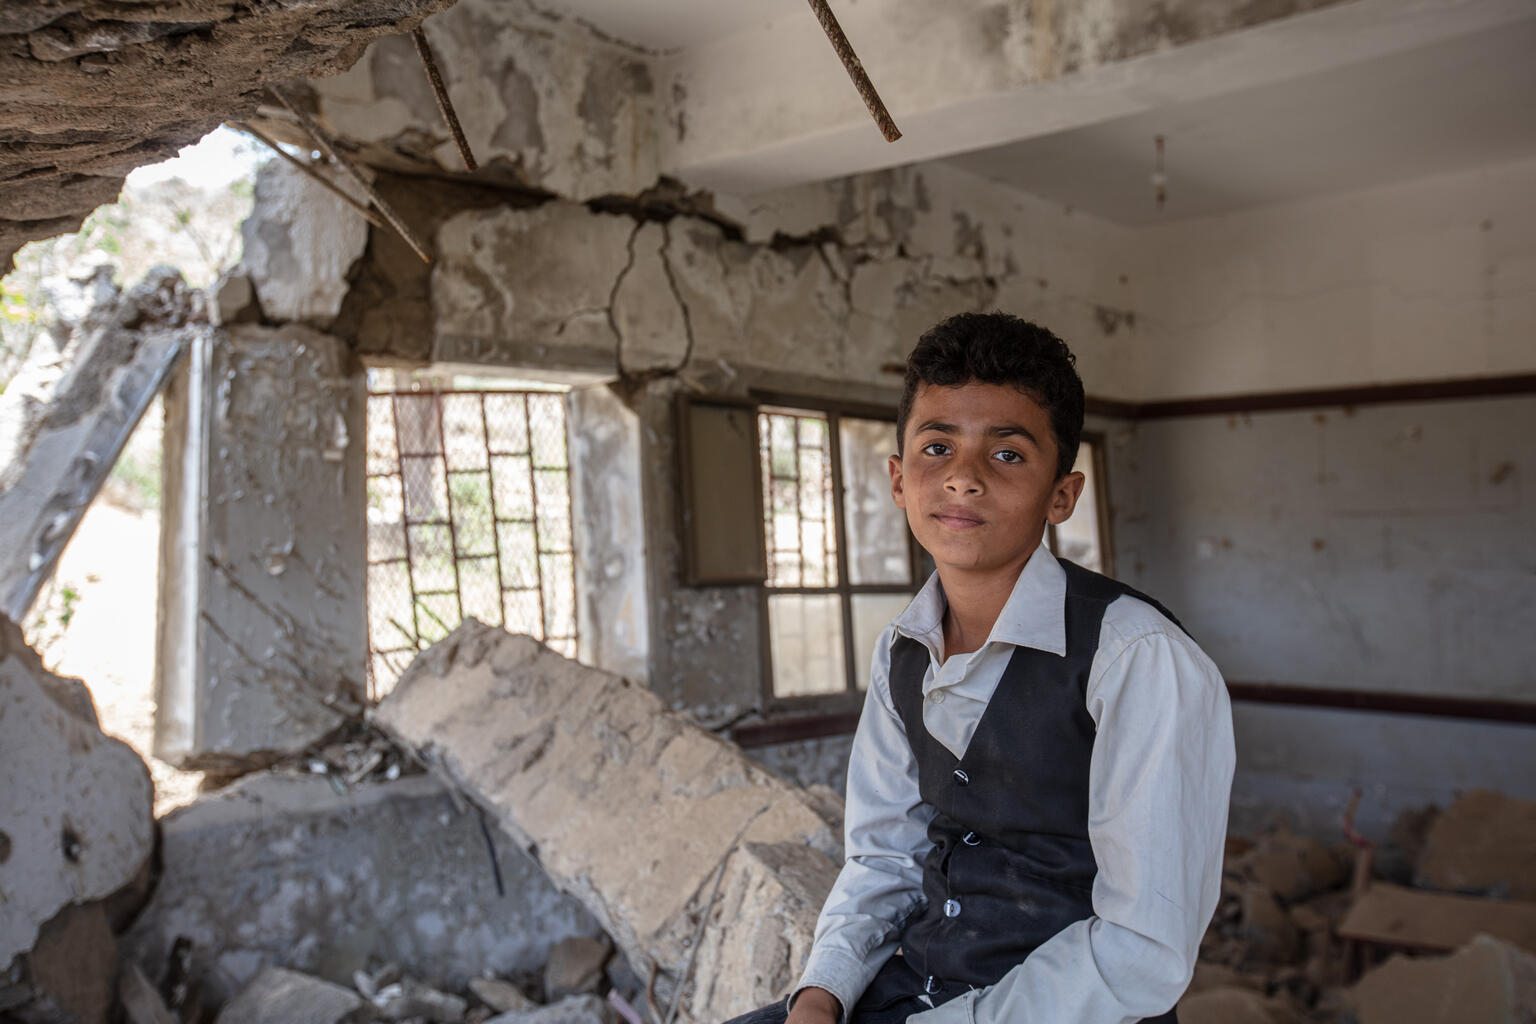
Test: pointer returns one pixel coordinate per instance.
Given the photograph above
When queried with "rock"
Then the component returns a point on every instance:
(141, 1003)
(284, 871)
(585, 1009)
(411, 1000)
(500, 996)
(632, 808)
(278, 996)
(1484, 982)
(1484, 843)
(1235, 1006)
(576, 966)
(76, 809)
(1292, 867)
(300, 243)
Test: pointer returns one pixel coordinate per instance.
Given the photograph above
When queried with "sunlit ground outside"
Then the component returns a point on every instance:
(96, 620)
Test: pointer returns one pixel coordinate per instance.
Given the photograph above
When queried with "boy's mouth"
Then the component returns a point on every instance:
(958, 518)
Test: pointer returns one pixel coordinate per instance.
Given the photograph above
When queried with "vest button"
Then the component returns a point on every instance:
(951, 908)
(962, 778)
(932, 986)
(971, 839)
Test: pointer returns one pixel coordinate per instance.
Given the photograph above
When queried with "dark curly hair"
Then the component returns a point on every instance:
(998, 348)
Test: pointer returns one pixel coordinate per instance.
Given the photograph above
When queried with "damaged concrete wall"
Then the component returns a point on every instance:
(92, 88)
(261, 634)
(284, 870)
(1379, 548)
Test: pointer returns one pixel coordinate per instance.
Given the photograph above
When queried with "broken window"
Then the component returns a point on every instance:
(840, 557)
(1084, 538)
(469, 515)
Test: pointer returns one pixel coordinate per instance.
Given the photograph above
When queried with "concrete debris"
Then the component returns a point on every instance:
(141, 1003)
(126, 85)
(632, 808)
(1235, 1006)
(585, 1009)
(234, 299)
(261, 638)
(70, 976)
(76, 811)
(1483, 843)
(1392, 915)
(576, 966)
(300, 243)
(500, 996)
(408, 999)
(1266, 927)
(1485, 982)
(280, 870)
(278, 996)
(1292, 867)
(71, 409)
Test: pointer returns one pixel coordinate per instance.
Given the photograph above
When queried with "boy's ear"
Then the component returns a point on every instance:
(893, 464)
(1064, 498)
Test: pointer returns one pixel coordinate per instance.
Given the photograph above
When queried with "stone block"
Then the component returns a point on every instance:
(1484, 982)
(300, 243)
(1484, 843)
(276, 996)
(630, 807)
(76, 809)
(261, 635)
(284, 871)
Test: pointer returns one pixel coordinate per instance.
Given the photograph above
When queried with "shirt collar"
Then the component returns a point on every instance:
(1035, 614)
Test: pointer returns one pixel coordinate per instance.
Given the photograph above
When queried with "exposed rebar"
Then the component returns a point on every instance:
(309, 169)
(424, 50)
(346, 165)
(855, 69)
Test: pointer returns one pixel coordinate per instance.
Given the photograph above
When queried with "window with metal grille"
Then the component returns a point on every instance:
(840, 557)
(469, 514)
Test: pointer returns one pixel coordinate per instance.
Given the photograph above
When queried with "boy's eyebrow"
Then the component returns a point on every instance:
(1000, 430)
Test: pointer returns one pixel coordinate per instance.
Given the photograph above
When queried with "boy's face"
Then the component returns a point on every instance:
(977, 476)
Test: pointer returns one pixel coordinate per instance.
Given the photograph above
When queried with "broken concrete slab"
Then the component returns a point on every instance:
(277, 996)
(261, 639)
(1413, 918)
(576, 966)
(71, 409)
(1483, 843)
(631, 808)
(76, 812)
(285, 871)
(1485, 982)
(584, 1009)
(301, 241)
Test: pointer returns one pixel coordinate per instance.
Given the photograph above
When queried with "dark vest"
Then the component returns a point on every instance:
(1011, 863)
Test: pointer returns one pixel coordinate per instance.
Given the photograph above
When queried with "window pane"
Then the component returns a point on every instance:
(1078, 539)
(871, 614)
(876, 529)
(807, 644)
(797, 497)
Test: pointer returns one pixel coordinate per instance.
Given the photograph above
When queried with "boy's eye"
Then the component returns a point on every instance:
(1008, 455)
(936, 448)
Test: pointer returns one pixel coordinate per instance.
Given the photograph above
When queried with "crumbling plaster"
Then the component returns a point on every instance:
(90, 89)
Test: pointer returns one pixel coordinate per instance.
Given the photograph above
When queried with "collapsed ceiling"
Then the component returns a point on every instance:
(94, 88)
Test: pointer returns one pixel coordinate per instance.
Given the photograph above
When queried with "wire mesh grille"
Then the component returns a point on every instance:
(469, 514)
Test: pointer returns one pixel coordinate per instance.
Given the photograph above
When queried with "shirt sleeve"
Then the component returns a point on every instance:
(1159, 781)
(886, 837)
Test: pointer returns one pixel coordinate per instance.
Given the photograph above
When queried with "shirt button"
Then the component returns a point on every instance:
(951, 908)
(971, 839)
(962, 778)
(937, 696)
(931, 986)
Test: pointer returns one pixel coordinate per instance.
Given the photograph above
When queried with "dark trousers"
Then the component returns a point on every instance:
(894, 995)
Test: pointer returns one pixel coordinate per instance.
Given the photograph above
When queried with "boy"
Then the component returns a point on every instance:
(1037, 793)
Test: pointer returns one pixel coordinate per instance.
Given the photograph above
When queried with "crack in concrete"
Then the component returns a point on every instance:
(666, 266)
(613, 302)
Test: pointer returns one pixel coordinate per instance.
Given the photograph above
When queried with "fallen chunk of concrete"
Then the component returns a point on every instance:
(630, 807)
(285, 871)
(585, 1009)
(70, 976)
(1484, 982)
(1235, 1006)
(278, 996)
(500, 996)
(409, 999)
(1292, 867)
(77, 806)
(1483, 843)
(576, 966)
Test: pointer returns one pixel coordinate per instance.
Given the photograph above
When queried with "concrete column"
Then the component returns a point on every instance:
(261, 636)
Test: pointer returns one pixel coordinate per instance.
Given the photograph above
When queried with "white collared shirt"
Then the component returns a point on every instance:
(1159, 782)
